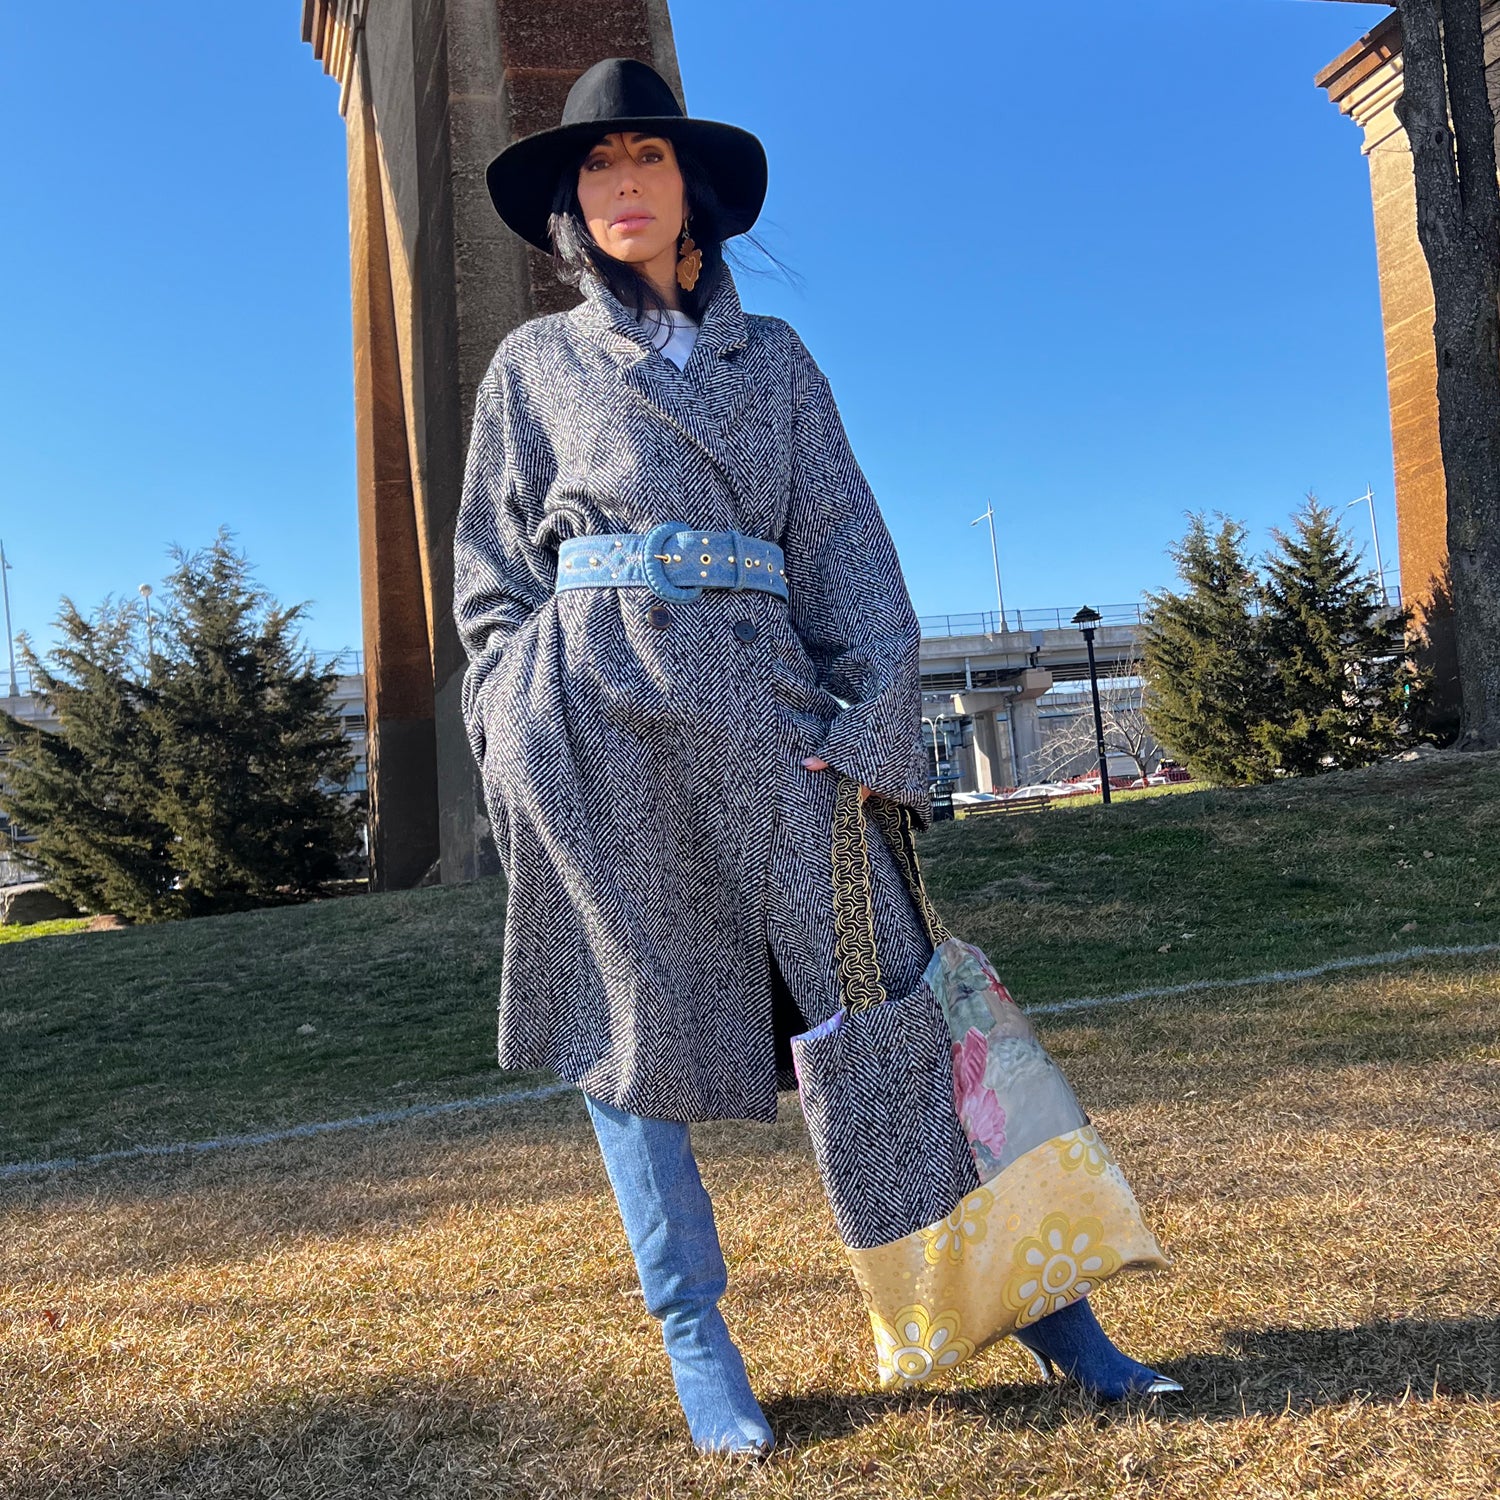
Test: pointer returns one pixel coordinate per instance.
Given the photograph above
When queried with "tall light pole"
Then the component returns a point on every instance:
(1086, 620)
(145, 593)
(1368, 498)
(10, 640)
(989, 515)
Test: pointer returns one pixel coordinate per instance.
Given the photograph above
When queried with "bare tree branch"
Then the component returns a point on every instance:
(1126, 732)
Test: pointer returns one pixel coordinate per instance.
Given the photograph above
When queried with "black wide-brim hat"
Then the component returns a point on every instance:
(621, 94)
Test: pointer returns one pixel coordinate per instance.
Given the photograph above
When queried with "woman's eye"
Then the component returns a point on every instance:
(653, 155)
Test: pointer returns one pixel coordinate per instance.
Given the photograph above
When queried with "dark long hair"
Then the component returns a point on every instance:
(576, 256)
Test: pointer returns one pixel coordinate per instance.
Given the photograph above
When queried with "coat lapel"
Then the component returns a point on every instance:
(705, 401)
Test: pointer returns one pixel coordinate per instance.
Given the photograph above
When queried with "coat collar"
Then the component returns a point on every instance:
(705, 400)
(603, 318)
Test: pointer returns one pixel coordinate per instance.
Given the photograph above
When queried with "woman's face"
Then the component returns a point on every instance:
(630, 190)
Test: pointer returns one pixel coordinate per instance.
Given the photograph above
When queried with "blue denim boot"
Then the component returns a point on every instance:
(1070, 1341)
(669, 1222)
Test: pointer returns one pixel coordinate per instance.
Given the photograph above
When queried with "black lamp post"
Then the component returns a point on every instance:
(1086, 620)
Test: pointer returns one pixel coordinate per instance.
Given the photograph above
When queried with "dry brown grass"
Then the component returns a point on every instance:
(447, 1308)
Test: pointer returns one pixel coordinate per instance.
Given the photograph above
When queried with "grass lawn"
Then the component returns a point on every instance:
(1160, 890)
(191, 1029)
(54, 928)
(446, 1307)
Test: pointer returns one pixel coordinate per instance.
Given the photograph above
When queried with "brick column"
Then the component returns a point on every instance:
(1365, 83)
(402, 780)
(432, 90)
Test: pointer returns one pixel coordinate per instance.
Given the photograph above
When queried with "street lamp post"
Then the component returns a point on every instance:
(10, 640)
(1368, 498)
(1086, 620)
(145, 592)
(989, 515)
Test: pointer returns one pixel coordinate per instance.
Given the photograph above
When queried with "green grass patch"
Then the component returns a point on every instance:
(1227, 882)
(191, 1029)
(188, 1030)
(42, 929)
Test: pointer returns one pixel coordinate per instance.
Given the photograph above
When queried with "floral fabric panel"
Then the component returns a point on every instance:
(1011, 1096)
(1051, 1227)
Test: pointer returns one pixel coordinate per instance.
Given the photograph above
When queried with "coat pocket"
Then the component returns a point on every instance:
(793, 683)
(497, 705)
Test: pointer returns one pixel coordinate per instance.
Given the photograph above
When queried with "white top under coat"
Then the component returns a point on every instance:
(683, 335)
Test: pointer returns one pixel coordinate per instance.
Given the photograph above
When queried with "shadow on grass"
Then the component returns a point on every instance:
(521, 1432)
(424, 1437)
(1267, 1372)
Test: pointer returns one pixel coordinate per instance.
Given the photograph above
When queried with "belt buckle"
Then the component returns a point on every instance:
(653, 564)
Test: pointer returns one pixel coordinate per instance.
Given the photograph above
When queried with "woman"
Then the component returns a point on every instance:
(685, 619)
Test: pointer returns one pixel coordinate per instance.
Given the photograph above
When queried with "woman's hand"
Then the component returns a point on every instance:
(814, 764)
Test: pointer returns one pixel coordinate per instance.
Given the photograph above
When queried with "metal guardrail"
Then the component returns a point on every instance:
(1024, 621)
(350, 663)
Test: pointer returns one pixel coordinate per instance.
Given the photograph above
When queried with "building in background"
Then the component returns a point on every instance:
(1001, 705)
(1365, 83)
(348, 702)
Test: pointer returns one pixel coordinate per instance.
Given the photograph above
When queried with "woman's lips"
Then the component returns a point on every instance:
(628, 222)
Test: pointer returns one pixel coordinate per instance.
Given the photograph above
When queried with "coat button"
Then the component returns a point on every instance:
(659, 617)
(745, 629)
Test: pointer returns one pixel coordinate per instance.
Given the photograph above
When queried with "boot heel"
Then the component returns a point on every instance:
(1045, 1369)
(1070, 1345)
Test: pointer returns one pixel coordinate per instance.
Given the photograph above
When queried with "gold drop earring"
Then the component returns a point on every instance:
(689, 260)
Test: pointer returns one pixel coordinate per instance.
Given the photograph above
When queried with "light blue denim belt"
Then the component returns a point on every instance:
(673, 561)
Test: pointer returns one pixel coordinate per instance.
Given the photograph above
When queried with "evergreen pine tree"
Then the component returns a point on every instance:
(252, 753)
(1205, 665)
(1337, 657)
(88, 790)
(207, 780)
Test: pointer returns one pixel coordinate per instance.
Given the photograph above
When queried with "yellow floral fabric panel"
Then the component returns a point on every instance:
(964, 1227)
(917, 1345)
(1066, 1261)
(1051, 1228)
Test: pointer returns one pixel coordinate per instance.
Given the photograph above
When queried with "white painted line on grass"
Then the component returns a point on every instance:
(551, 1091)
(295, 1132)
(1275, 976)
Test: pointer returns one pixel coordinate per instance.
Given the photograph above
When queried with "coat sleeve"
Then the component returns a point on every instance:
(850, 606)
(501, 574)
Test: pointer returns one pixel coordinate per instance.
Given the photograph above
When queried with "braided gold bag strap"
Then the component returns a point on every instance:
(853, 908)
(896, 822)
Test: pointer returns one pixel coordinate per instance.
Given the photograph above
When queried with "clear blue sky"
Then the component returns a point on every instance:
(1102, 263)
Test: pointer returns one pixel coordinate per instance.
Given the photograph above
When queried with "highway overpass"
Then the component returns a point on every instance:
(1011, 678)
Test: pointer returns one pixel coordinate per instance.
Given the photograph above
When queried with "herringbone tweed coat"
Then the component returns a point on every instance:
(659, 834)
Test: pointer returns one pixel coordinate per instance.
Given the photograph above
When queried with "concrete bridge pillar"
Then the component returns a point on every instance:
(431, 90)
(991, 751)
(1025, 728)
(1004, 751)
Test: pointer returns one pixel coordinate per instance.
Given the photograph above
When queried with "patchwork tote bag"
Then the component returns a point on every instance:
(970, 1190)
